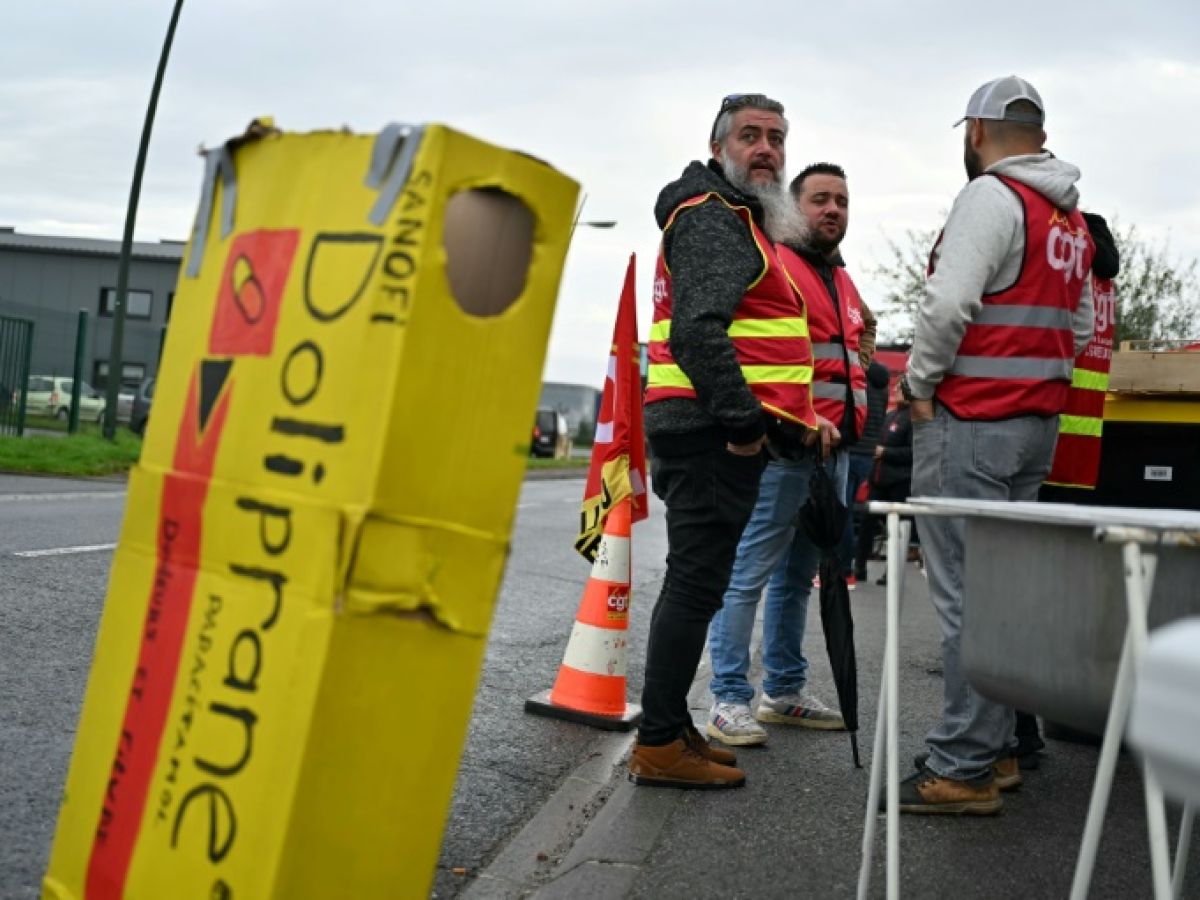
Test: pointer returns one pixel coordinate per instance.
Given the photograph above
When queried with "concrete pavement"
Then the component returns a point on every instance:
(796, 829)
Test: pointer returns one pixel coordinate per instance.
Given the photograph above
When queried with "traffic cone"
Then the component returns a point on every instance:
(591, 680)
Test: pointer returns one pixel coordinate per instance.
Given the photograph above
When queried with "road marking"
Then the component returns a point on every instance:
(68, 495)
(63, 551)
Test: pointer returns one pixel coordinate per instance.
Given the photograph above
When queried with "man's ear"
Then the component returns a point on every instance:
(975, 132)
(715, 149)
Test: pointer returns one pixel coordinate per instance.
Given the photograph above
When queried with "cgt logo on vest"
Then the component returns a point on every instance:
(1065, 249)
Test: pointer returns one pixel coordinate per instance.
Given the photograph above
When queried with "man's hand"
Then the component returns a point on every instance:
(879, 451)
(751, 449)
(827, 433)
(922, 410)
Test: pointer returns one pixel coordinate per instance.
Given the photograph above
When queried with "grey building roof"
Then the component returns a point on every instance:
(167, 251)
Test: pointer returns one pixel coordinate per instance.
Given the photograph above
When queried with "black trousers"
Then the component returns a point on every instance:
(709, 497)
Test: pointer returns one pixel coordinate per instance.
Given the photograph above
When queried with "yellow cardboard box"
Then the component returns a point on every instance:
(316, 532)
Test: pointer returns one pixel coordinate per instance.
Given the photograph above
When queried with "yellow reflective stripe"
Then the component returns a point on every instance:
(671, 376)
(1089, 380)
(747, 328)
(777, 374)
(1088, 426)
(748, 217)
(755, 328)
(666, 375)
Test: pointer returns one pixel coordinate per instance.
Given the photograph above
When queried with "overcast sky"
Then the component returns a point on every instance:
(619, 95)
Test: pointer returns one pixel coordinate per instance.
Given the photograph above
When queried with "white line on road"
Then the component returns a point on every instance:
(68, 495)
(63, 551)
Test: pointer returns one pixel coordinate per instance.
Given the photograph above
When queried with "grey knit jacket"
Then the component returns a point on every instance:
(713, 260)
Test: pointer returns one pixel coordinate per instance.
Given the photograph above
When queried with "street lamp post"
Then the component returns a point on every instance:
(113, 387)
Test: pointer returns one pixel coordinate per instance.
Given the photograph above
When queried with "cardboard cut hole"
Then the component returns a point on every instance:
(488, 238)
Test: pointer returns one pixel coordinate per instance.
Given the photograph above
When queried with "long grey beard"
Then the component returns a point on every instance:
(782, 220)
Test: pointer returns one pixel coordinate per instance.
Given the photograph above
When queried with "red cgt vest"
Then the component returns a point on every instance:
(769, 333)
(1016, 356)
(825, 323)
(1077, 455)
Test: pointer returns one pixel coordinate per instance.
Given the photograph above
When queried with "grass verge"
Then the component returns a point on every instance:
(571, 463)
(82, 454)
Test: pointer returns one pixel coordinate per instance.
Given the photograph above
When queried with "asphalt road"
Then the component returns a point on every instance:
(50, 607)
(795, 830)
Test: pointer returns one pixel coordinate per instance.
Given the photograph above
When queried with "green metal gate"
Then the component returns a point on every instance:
(16, 345)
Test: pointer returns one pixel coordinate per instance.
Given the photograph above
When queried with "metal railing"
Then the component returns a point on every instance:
(16, 347)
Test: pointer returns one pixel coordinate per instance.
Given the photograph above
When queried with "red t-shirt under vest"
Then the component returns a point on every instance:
(769, 333)
(1016, 355)
(832, 329)
(1077, 456)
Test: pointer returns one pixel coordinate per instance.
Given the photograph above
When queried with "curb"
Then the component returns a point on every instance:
(593, 836)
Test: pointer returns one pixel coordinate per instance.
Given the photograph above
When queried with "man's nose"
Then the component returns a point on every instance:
(764, 147)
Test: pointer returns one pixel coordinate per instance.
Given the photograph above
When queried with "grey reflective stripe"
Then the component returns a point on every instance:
(827, 390)
(827, 351)
(391, 162)
(1024, 316)
(218, 161)
(1013, 367)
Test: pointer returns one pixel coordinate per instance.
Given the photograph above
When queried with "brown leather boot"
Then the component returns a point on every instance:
(1007, 773)
(926, 792)
(679, 765)
(718, 755)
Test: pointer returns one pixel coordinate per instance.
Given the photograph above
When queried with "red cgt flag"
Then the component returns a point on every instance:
(618, 468)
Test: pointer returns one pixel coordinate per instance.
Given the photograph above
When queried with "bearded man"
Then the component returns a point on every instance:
(730, 364)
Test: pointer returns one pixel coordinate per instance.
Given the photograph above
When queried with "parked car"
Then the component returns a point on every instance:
(140, 411)
(50, 395)
(550, 436)
(124, 406)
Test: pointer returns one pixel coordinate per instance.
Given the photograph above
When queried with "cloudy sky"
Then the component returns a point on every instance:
(619, 95)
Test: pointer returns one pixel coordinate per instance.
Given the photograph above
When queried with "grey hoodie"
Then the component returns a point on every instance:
(713, 260)
(981, 250)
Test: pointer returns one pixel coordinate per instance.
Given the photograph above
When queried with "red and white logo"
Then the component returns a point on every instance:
(1066, 251)
(618, 600)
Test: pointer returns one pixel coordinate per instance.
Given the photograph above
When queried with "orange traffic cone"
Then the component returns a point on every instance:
(591, 680)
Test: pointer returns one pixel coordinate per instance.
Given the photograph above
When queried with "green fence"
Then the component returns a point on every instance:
(16, 345)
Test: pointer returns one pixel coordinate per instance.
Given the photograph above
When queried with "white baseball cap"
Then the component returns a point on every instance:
(993, 99)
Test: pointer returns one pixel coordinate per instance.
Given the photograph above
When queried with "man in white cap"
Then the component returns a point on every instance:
(1002, 317)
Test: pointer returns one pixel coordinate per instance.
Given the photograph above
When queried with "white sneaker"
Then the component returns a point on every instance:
(802, 709)
(732, 723)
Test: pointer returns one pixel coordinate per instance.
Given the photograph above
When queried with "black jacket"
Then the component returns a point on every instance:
(877, 401)
(895, 467)
(713, 261)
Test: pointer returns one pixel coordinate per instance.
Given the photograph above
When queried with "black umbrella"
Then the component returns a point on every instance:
(823, 518)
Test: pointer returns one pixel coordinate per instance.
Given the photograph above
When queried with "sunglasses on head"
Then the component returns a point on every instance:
(730, 103)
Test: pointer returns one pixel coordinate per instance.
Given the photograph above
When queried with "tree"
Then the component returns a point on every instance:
(903, 276)
(1158, 295)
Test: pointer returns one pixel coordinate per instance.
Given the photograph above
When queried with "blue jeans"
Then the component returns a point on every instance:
(1004, 460)
(859, 471)
(771, 549)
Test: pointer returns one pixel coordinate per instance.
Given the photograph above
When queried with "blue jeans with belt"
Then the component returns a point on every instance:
(771, 550)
